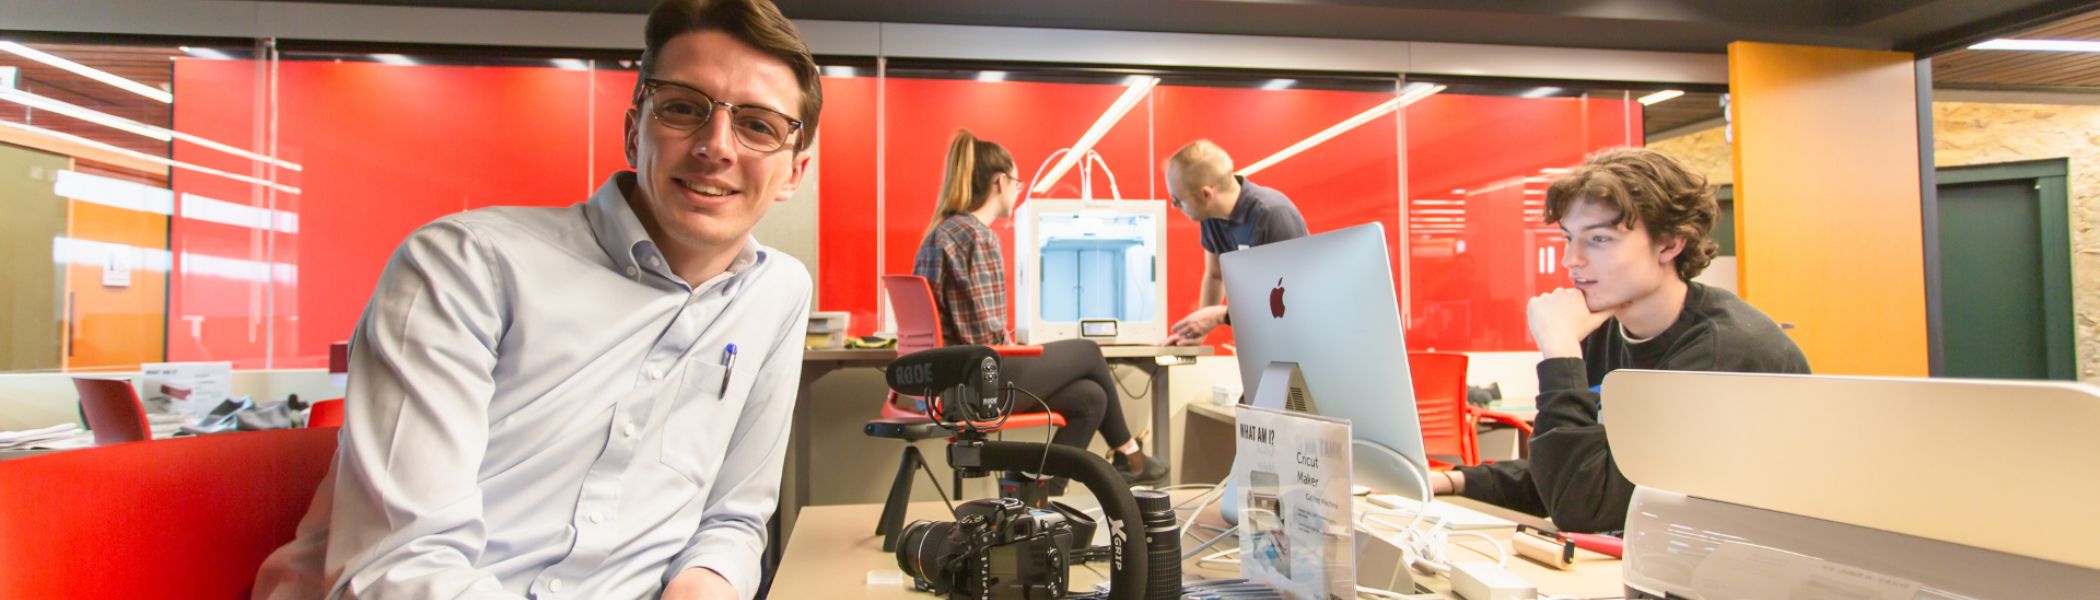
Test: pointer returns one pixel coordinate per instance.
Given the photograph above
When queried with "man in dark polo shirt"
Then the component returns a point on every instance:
(1234, 213)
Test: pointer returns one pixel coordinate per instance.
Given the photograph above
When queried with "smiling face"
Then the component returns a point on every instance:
(699, 192)
(1613, 265)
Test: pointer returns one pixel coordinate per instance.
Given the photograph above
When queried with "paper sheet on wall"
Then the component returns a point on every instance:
(186, 388)
(1295, 521)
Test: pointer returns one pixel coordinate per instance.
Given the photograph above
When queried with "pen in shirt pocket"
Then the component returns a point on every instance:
(728, 368)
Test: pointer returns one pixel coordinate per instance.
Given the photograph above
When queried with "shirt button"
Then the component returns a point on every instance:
(652, 261)
(631, 271)
(627, 430)
(655, 374)
(554, 585)
(597, 518)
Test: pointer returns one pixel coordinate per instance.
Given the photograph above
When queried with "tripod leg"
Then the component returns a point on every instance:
(892, 522)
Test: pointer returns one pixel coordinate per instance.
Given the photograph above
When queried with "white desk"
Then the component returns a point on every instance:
(835, 548)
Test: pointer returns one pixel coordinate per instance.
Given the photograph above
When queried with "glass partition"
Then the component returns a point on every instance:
(239, 200)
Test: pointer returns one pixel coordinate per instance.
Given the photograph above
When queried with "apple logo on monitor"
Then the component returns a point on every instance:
(1276, 299)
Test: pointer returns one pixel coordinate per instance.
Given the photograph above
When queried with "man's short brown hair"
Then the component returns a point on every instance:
(1654, 191)
(754, 22)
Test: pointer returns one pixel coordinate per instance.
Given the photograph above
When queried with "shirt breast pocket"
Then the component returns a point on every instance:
(696, 432)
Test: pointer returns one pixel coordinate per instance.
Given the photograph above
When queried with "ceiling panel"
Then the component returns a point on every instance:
(2018, 69)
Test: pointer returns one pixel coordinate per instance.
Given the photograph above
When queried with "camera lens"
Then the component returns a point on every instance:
(927, 551)
(1162, 545)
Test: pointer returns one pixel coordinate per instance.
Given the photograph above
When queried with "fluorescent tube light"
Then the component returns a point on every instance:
(1651, 99)
(88, 72)
(1279, 84)
(1414, 92)
(86, 114)
(571, 64)
(116, 122)
(394, 59)
(1139, 87)
(839, 72)
(144, 156)
(210, 53)
(1540, 92)
(2040, 45)
(991, 76)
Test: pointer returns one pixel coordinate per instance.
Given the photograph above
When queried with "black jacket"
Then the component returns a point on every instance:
(1571, 476)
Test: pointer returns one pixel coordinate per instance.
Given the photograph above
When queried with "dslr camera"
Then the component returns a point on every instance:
(997, 548)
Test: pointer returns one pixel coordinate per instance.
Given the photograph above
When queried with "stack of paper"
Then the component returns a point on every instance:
(39, 438)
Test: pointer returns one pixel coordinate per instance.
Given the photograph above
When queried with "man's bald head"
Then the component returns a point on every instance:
(1199, 177)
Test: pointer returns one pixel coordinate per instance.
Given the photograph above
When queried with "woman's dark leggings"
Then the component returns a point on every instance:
(1075, 381)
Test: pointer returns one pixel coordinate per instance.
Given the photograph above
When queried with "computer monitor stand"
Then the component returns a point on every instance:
(1374, 465)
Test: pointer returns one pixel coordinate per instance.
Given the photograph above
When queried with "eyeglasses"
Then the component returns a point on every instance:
(685, 108)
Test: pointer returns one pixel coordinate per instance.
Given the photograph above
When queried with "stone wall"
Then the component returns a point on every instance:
(1976, 133)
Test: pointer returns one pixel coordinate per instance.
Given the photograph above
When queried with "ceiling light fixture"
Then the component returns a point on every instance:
(991, 76)
(1279, 84)
(116, 122)
(88, 72)
(1140, 86)
(841, 72)
(1414, 92)
(210, 53)
(2040, 45)
(571, 64)
(144, 156)
(1652, 99)
(395, 59)
(1540, 92)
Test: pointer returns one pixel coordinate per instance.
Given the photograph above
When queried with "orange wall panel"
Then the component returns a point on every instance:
(115, 328)
(1828, 229)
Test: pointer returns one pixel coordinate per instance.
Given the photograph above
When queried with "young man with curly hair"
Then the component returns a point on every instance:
(1638, 229)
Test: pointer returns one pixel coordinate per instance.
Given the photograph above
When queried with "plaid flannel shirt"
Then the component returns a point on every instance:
(960, 260)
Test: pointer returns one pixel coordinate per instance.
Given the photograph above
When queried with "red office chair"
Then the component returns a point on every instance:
(919, 328)
(326, 413)
(112, 410)
(1440, 398)
(187, 517)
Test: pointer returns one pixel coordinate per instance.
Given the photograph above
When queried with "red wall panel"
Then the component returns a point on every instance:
(385, 149)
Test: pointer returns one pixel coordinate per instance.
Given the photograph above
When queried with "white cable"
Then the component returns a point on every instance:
(1029, 192)
(1213, 541)
(1501, 553)
(1420, 477)
(1095, 158)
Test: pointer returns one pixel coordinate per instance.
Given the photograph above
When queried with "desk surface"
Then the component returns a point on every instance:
(834, 551)
(1114, 351)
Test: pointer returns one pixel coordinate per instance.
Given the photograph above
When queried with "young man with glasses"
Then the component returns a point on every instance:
(589, 401)
(1234, 213)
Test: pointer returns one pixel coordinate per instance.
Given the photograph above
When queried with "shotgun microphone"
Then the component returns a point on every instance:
(965, 380)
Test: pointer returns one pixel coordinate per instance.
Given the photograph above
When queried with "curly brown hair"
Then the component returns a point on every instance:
(1655, 191)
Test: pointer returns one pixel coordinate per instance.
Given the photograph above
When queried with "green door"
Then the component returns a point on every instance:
(2004, 273)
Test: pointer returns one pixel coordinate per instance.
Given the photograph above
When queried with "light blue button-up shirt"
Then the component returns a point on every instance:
(540, 408)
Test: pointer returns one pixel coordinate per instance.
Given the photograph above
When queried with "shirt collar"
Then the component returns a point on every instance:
(1245, 204)
(621, 235)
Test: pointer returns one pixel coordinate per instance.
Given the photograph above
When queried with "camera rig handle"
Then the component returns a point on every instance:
(1127, 566)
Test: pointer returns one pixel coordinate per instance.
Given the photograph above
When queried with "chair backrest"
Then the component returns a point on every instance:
(326, 413)
(918, 320)
(186, 517)
(113, 410)
(1440, 396)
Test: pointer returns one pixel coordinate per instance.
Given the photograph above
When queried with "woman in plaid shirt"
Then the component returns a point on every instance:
(960, 259)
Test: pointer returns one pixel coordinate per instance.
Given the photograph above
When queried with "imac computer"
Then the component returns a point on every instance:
(1325, 305)
(1090, 269)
